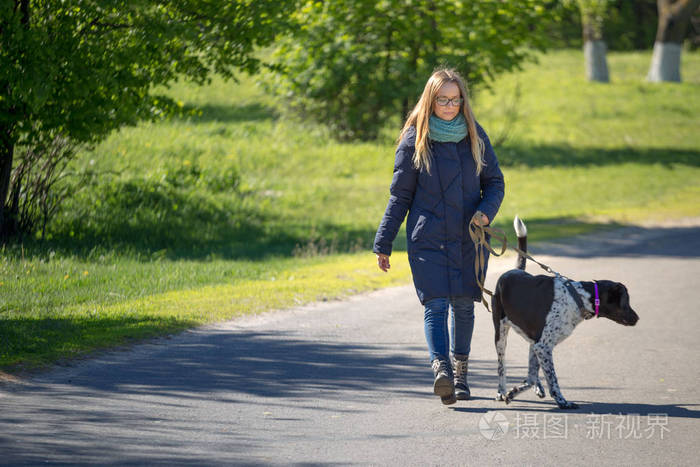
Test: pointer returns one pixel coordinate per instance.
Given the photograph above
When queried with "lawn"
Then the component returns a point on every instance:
(237, 207)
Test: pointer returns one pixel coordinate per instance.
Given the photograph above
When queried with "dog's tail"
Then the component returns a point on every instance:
(521, 232)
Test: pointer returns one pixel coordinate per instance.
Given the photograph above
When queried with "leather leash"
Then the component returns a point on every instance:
(478, 232)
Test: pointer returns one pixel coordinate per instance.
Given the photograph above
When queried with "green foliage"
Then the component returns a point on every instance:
(354, 64)
(84, 68)
(631, 25)
(627, 25)
(79, 69)
(593, 13)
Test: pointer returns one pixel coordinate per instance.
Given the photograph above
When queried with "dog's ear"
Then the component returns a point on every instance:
(624, 297)
(618, 295)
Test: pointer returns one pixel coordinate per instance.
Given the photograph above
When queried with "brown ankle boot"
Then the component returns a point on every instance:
(460, 363)
(444, 384)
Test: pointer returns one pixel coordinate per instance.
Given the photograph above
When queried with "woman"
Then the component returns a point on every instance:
(445, 172)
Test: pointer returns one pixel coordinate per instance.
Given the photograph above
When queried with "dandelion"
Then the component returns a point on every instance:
(85, 273)
(66, 276)
(186, 163)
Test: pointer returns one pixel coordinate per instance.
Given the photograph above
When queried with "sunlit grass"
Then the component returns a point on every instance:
(58, 330)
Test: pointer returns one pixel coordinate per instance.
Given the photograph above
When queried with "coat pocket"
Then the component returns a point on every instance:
(419, 228)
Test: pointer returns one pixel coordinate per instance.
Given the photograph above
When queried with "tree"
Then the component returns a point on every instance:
(674, 18)
(78, 69)
(594, 47)
(355, 63)
(630, 25)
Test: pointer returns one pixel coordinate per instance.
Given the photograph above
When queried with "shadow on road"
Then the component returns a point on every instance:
(633, 408)
(271, 364)
(231, 366)
(586, 407)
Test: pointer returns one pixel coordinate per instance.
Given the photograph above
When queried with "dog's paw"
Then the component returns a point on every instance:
(539, 390)
(566, 405)
(512, 393)
(501, 397)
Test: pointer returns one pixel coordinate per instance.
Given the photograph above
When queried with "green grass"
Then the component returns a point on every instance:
(74, 311)
(626, 151)
(198, 218)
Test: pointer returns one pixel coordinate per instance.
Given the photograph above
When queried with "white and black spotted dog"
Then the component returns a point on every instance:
(545, 310)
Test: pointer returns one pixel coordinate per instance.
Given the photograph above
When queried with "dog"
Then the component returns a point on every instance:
(545, 310)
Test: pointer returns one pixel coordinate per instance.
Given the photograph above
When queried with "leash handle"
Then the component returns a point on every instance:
(478, 231)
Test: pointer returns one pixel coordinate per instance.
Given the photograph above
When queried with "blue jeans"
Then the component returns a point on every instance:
(461, 326)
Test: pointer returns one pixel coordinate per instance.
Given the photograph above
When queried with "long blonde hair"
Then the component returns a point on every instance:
(420, 117)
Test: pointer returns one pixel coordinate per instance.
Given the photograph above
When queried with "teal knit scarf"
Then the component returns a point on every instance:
(448, 131)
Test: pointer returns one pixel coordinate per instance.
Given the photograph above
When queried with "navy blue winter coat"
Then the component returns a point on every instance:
(440, 205)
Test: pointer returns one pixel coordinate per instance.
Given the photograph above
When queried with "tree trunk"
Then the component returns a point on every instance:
(594, 52)
(596, 61)
(7, 148)
(674, 18)
(665, 63)
(413, 64)
(7, 142)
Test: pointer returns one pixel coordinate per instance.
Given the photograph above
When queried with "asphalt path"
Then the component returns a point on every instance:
(349, 382)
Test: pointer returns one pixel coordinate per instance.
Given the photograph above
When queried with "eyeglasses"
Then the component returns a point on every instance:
(455, 101)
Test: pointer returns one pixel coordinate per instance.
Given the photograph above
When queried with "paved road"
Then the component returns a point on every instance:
(349, 383)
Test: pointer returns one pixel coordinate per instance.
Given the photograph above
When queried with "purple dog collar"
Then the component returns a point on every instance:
(597, 299)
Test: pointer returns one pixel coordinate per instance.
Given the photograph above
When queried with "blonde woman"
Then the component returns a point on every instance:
(445, 171)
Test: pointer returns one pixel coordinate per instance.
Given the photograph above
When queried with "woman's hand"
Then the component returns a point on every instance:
(483, 219)
(383, 262)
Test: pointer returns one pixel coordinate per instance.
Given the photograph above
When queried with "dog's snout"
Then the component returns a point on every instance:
(632, 318)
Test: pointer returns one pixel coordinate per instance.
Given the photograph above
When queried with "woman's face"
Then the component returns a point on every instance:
(447, 91)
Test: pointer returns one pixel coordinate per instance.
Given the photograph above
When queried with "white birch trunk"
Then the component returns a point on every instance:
(665, 63)
(596, 61)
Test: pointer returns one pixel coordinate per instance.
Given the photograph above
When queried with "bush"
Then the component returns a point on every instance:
(41, 180)
(353, 65)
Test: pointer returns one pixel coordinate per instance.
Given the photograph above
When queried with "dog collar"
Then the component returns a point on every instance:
(597, 298)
